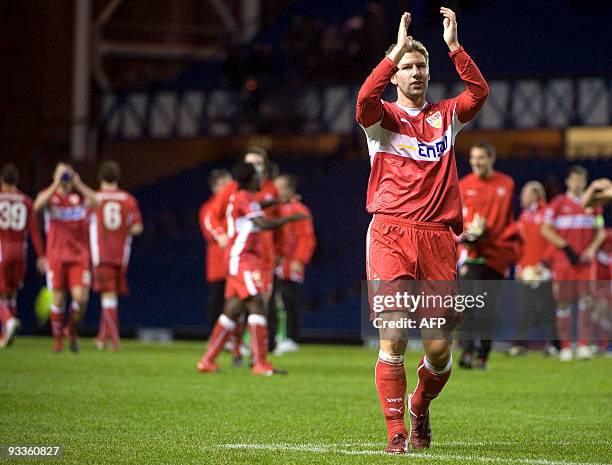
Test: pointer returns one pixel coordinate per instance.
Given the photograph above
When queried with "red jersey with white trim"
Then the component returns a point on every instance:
(535, 248)
(245, 246)
(109, 230)
(573, 223)
(603, 259)
(491, 198)
(17, 221)
(216, 268)
(412, 156)
(296, 241)
(219, 218)
(66, 225)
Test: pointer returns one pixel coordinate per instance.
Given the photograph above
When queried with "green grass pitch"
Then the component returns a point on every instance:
(148, 405)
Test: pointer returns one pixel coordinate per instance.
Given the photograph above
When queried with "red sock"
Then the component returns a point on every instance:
(584, 324)
(101, 336)
(258, 329)
(390, 379)
(236, 338)
(431, 382)
(57, 325)
(111, 318)
(222, 329)
(564, 327)
(74, 316)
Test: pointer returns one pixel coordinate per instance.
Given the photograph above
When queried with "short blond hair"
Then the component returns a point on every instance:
(538, 188)
(415, 47)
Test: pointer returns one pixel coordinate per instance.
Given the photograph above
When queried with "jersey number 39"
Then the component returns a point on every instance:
(13, 215)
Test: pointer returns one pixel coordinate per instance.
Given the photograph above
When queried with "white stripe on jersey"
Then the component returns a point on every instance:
(93, 240)
(250, 284)
(380, 139)
(127, 250)
(244, 227)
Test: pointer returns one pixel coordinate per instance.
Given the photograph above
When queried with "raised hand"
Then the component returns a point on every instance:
(404, 41)
(450, 28)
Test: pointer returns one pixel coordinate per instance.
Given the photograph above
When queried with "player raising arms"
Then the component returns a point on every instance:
(67, 202)
(245, 285)
(17, 219)
(413, 193)
(117, 219)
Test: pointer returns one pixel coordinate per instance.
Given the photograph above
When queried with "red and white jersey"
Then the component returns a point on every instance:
(412, 157)
(66, 223)
(216, 268)
(602, 267)
(17, 219)
(535, 248)
(491, 198)
(572, 222)
(109, 229)
(218, 217)
(245, 246)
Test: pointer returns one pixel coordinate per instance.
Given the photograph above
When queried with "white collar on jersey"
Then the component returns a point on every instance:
(412, 111)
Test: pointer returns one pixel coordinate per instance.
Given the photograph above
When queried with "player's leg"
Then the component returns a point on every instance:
(79, 280)
(390, 380)
(110, 314)
(585, 310)
(223, 327)
(56, 316)
(7, 319)
(14, 323)
(258, 331)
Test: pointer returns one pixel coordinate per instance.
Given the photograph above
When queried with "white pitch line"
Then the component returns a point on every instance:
(332, 449)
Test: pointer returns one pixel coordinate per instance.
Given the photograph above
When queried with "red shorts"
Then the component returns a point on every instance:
(400, 249)
(65, 276)
(245, 284)
(572, 282)
(110, 278)
(12, 273)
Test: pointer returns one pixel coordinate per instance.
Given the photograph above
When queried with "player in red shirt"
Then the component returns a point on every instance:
(532, 270)
(295, 246)
(413, 193)
(67, 204)
(267, 196)
(245, 286)
(115, 222)
(602, 275)
(216, 240)
(577, 234)
(17, 221)
(486, 252)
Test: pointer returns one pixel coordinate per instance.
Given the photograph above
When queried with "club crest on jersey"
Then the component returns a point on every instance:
(435, 120)
(73, 199)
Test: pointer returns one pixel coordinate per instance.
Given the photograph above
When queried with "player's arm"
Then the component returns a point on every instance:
(87, 192)
(549, 233)
(218, 209)
(36, 238)
(275, 223)
(598, 193)
(305, 240)
(589, 253)
(42, 199)
(136, 227)
(369, 106)
(473, 98)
